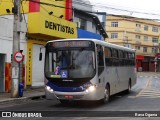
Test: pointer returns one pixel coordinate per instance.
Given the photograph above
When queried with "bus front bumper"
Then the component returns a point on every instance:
(84, 95)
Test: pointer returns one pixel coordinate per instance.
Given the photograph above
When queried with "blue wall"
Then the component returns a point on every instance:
(86, 34)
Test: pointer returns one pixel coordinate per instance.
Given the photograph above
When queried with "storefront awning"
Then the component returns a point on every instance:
(139, 57)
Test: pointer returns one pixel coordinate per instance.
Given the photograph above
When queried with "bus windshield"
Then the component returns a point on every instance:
(70, 63)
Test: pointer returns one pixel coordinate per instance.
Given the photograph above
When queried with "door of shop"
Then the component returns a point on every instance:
(2, 72)
(37, 66)
(145, 66)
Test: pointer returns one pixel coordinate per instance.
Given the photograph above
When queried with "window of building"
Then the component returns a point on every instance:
(138, 37)
(144, 49)
(154, 29)
(83, 23)
(114, 35)
(154, 50)
(114, 24)
(145, 38)
(146, 28)
(138, 25)
(155, 40)
(138, 47)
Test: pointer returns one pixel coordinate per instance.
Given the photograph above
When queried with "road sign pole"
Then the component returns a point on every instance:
(16, 48)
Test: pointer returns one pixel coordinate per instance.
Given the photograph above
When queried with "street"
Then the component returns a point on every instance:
(145, 96)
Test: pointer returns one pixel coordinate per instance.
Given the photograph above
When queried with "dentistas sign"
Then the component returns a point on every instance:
(59, 27)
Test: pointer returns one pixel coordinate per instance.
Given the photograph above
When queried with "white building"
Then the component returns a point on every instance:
(6, 46)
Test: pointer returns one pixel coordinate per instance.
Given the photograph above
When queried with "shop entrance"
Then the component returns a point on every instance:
(37, 66)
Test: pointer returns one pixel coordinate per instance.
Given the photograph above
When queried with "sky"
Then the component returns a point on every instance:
(136, 8)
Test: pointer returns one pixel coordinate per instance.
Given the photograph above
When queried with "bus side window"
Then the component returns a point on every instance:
(100, 55)
(100, 59)
(115, 58)
(108, 55)
(126, 58)
(130, 58)
(120, 58)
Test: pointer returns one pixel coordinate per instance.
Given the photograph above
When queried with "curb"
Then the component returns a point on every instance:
(21, 99)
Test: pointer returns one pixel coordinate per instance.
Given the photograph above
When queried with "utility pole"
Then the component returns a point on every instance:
(16, 48)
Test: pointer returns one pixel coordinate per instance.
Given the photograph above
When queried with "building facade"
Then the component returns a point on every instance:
(136, 33)
(6, 46)
(40, 23)
(88, 23)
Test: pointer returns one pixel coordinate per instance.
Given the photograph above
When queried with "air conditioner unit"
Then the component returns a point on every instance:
(78, 24)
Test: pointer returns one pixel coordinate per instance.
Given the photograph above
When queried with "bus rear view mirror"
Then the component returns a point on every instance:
(40, 56)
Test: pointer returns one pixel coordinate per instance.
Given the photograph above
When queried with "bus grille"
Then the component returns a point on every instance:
(75, 97)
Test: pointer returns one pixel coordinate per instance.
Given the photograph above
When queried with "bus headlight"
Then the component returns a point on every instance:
(91, 88)
(49, 89)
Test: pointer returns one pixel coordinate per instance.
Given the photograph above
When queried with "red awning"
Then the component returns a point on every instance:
(139, 57)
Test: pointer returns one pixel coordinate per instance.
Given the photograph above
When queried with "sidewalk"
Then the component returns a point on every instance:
(148, 74)
(29, 93)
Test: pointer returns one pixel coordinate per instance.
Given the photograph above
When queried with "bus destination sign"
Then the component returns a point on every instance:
(62, 44)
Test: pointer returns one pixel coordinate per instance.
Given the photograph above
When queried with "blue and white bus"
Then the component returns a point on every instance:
(91, 69)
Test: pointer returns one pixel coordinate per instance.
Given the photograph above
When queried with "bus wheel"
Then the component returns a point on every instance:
(106, 95)
(64, 101)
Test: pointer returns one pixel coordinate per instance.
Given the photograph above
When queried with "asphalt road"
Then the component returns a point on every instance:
(142, 102)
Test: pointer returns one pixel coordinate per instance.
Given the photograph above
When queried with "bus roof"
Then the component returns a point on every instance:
(100, 42)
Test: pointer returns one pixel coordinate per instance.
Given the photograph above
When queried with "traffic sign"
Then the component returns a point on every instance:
(18, 57)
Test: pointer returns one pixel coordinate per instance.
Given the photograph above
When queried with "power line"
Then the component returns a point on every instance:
(24, 17)
(49, 11)
(98, 6)
(48, 4)
(102, 6)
